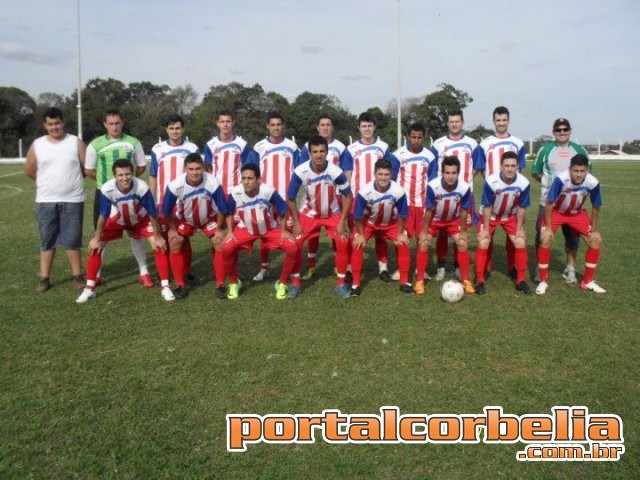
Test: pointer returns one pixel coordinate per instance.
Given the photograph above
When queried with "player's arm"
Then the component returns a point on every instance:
(96, 244)
(30, 166)
(358, 214)
(478, 162)
(90, 160)
(281, 208)
(82, 154)
(523, 203)
(292, 194)
(596, 203)
(488, 197)
(423, 238)
(140, 160)
(536, 169)
(403, 213)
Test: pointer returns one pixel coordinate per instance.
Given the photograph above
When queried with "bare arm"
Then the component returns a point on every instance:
(30, 167)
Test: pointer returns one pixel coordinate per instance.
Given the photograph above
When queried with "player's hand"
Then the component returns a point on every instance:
(343, 230)
(402, 239)
(358, 240)
(483, 235)
(286, 235)
(95, 245)
(595, 239)
(296, 230)
(159, 242)
(423, 241)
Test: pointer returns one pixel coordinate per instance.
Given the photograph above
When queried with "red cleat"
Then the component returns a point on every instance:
(146, 281)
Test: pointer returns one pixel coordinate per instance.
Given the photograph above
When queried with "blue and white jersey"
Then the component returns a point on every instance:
(447, 204)
(197, 205)
(505, 198)
(277, 162)
(416, 169)
(492, 149)
(466, 149)
(319, 199)
(256, 214)
(226, 158)
(167, 162)
(361, 158)
(127, 208)
(334, 155)
(381, 208)
(568, 198)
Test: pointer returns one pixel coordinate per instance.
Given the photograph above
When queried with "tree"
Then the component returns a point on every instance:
(184, 100)
(17, 110)
(306, 109)
(479, 132)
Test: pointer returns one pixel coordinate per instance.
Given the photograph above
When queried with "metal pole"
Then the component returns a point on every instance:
(399, 99)
(79, 75)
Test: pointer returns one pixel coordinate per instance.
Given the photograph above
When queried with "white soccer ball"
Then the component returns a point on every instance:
(451, 291)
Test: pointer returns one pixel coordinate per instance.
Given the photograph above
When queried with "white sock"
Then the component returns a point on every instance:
(137, 247)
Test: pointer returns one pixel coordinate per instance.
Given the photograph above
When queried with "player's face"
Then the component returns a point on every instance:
(174, 132)
(250, 182)
(318, 156)
(454, 125)
(501, 123)
(383, 178)
(562, 134)
(124, 178)
(114, 124)
(450, 175)
(225, 125)
(367, 130)
(509, 169)
(578, 174)
(416, 140)
(54, 127)
(275, 127)
(325, 128)
(194, 171)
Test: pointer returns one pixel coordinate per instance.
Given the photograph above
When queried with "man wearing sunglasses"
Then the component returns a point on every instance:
(552, 159)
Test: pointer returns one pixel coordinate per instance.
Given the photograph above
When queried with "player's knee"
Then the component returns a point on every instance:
(519, 242)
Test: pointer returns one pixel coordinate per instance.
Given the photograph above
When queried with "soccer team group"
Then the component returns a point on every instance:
(238, 194)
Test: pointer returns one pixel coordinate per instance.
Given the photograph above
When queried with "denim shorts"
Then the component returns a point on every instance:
(60, 223)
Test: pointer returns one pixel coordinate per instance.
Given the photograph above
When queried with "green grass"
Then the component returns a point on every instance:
(129, 386)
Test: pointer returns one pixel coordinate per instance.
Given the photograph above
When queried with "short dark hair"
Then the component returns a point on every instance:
(174, 118)
(224, 113)
(579, 159)
(366, 117)
(507, 155)
(52, 112)
(500, 111)
(254, 167)
(417, 127)
(450, 161)
(111, 112)
(121, 163)
(383, 163)
(274, 115)
(324, 115)
(318, 140)
(193, 157)
(456, 112)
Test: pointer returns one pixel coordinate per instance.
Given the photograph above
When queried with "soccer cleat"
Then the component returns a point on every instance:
(541, 289)
(384, 276)
(79, 281)
(294, 291)
(406, 288)
(180, 293)
(281, 290)
(261, 275)
(487, 274)
(167, 294)
(440, 273)
(221, 293)
(43, 285)
(233, 292)
(524, 288)
(309, 273)
(419, 287)
(468, 287)
(593, 286)
(395, 276)
(145, 280)
(513, 273)
(86, 295)
(356, 291)
(189, 279)
(343, 291)
(480, 288)
(569, 275)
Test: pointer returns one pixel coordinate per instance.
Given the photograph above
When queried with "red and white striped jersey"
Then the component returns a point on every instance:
(568, 198)
(414, 173)
(128, 208)
(505, 198)
(256, 214)
(277, 161)
(381, 208)
(446, 204)
(364, 158)
(167, 162)
(319, 194)
(494, 147)
(467, 151)
(196, 205)
(225, 159)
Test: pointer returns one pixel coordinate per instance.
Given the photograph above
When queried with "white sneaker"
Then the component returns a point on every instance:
(395, 276)
(87, 294)
(541, 289)
(569, 275)
(593, 286)
(167, 294)
(440, 273)
(260, 275)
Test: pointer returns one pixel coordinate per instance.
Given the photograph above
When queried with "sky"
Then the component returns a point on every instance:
(542, 59)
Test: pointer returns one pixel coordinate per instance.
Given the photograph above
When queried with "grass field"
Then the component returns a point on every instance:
(129, 386)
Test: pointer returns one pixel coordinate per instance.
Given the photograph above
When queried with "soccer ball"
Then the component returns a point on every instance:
(451, 291)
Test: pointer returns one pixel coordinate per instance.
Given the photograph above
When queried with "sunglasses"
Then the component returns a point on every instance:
(560, 130)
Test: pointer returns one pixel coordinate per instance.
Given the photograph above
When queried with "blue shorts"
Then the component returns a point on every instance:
(60, 224)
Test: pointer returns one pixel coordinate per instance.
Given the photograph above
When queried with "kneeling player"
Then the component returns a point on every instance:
(134, 210)
(448, 202)
(261, 214)
(564, 206)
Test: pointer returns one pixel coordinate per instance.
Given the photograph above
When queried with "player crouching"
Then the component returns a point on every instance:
(134, 210)
(564, 206)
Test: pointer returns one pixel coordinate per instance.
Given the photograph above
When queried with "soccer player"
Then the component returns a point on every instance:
(167, 162)
(448, 204)
(126, 203)
(260, 213)
(360, 158)
(55, 161)
(564, 206)
(417, 166)
(552, 159)
(381, 210)
(102, 152)
(324, 127)
(492, 149)
(277, 156)
(469, 153)
(321, 180)
(505, 197)
(194, 201)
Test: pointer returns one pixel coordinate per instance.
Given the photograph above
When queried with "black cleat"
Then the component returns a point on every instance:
(406, 288)
(384, 276)
(480, 288)
(356, 291)
(180, 293)
(221, 293)
(348, 277)
(487, 274)
(524, 288)
(513, 273)
(190, 279)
